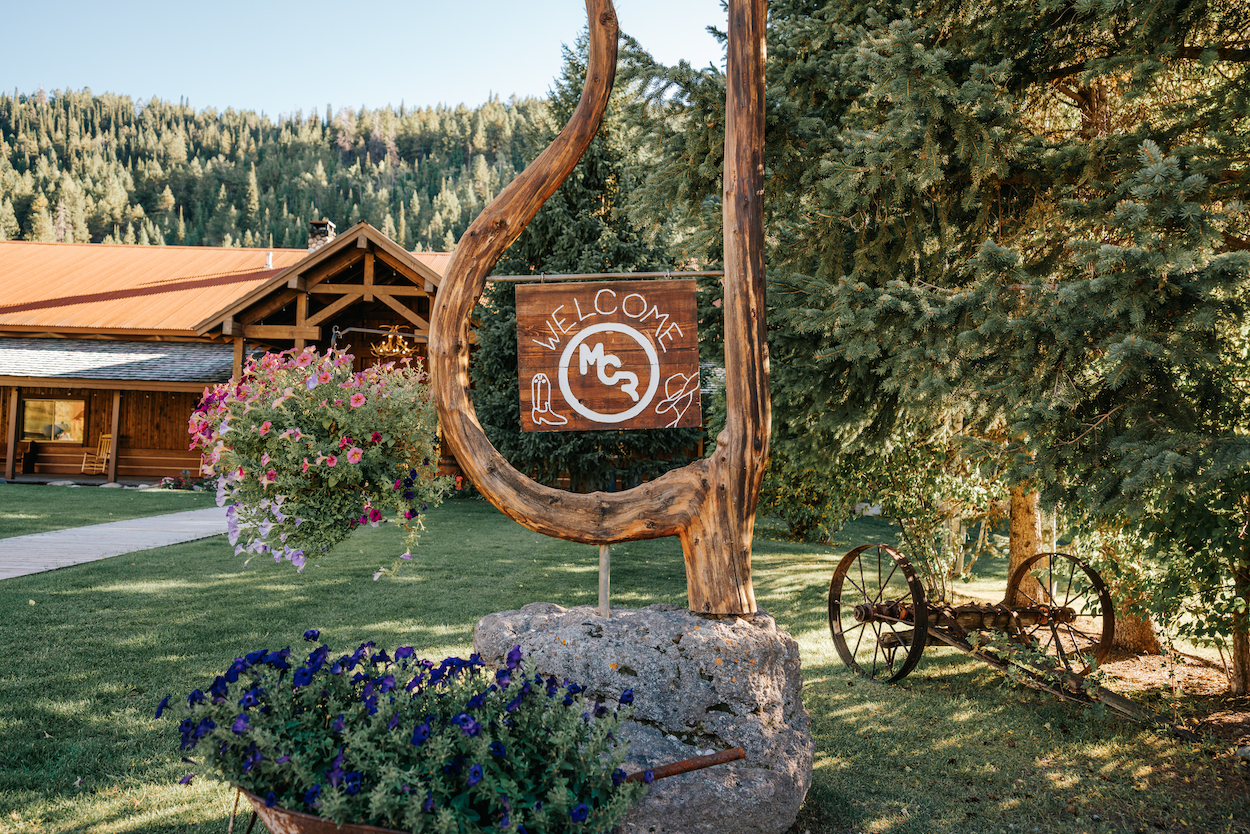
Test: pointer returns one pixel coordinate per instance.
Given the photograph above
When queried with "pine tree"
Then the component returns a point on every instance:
(9, 229)
(39, 220)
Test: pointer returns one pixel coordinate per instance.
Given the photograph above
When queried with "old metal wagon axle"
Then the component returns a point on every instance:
(1055, 606)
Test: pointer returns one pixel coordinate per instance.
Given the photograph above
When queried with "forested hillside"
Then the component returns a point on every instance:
(104, 168)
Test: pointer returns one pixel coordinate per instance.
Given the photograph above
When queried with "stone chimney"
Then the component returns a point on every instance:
(320, 232)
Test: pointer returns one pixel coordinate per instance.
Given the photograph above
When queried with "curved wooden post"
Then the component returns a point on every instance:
(710, 504)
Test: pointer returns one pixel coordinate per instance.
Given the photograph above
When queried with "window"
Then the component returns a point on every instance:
(63, 420)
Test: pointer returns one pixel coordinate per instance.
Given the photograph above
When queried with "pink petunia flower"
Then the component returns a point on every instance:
(332, 460)
(376, 437)
(304, 468)
(355, 454)
(265, 427)
(357, 400)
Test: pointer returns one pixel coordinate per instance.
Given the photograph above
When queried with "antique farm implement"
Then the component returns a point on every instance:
(1055, 623)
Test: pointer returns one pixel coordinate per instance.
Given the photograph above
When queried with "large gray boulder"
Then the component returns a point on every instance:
(700, 685)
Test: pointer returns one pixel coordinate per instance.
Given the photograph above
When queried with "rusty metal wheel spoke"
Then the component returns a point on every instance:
(884, 612)
(1079, 619)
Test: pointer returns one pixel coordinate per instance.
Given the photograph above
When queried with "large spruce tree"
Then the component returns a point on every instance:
(1031, 216)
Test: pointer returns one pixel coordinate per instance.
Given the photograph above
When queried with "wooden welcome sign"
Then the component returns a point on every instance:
(709, 504)
(623, 355)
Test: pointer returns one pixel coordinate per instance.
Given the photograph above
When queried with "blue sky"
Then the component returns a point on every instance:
(280, 56)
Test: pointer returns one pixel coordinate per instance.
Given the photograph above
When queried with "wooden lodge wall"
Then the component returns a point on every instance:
(153, 432)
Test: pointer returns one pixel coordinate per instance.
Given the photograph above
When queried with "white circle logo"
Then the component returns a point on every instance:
(605, 363)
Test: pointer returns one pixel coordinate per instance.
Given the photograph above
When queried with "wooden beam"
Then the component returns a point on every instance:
(390, 289)
(316, 274)
(281, 331)
(346, 300)
(228, 326)
(369, 263)
(236, 368)
(301, 316)
(268, 308)
(11, 439)
(116, 449)
(362, 242)
(396, 264)
(105, 384)
(421, 324)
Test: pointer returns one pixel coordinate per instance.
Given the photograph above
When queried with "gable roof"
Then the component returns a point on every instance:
(97, 289)
(182, 291)
(427, 266)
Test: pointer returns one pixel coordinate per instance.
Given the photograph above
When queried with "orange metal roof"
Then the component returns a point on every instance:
(108, 289)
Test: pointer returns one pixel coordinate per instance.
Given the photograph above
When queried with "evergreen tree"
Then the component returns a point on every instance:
(582, 228)
(1043, 236)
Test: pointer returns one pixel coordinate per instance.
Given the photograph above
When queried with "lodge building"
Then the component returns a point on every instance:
(105, 350)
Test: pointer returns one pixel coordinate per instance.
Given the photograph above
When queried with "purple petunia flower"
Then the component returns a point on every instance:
(476, 701)
(648, 776)
(352, 782)
(219, 689)
(404, 652)
(303, 676)
(618, 778)
(514, 704)
(312, 634)
(310, 795)
(475, 775)
(196, 697)
(497, 749)
(339, 724)
(241, 725)
(252, 759)
(420, 734)
(514, 657)
(186, 780)
(270, 800)
(160, 708)
(579, 812)
(428, 805)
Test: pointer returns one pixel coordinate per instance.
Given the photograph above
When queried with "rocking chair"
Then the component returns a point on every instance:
(97, 463)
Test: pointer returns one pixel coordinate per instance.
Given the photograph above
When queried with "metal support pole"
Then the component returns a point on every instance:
(605, 570)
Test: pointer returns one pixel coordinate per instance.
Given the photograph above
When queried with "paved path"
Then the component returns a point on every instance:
(20, 555)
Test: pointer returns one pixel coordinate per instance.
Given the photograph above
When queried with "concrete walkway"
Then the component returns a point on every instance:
(22, 555)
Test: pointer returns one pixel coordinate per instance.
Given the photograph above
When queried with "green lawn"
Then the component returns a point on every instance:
(86, 652)
(34, 508)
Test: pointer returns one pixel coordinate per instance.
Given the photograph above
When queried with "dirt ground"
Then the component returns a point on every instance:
(1189, 689)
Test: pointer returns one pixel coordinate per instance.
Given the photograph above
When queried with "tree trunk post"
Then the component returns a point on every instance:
(1025, 537)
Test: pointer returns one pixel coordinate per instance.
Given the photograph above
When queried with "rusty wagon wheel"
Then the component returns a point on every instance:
(1077, 619)
(877, 608)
